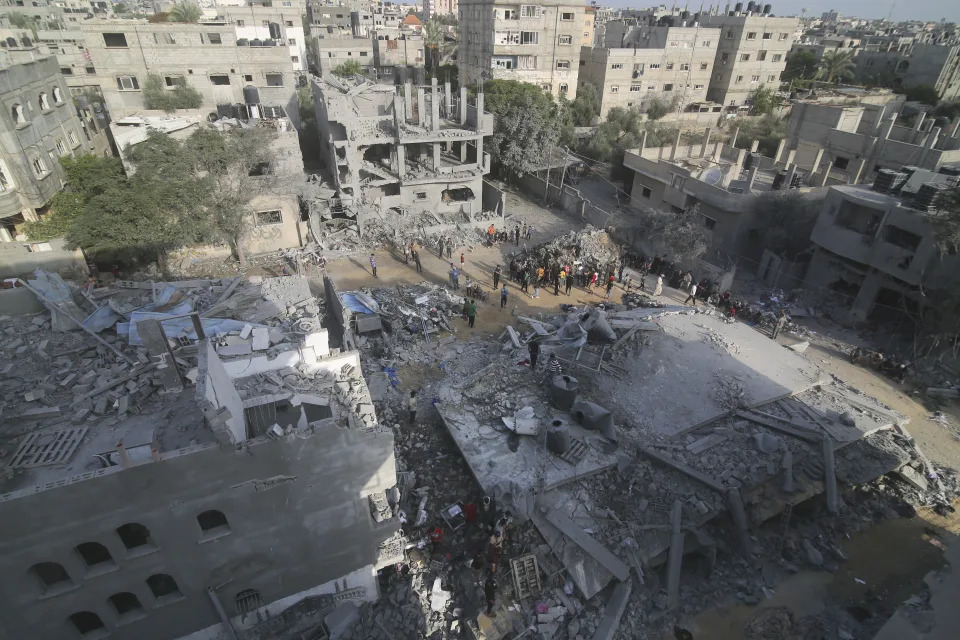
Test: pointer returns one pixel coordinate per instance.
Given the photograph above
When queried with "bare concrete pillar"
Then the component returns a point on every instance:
(751, 176)
(449, 148)
(436, 155)
(434, 105)
(463, 105)
(741, 156)
(857, 170)
(792, 172)
(676, 143)
(401, 160)
(888, 126)
(955, 128)
(447, 104)
(790, 157)
(421, 107)
(827, 165)
(921, 117)
(407, 99)
(816, 160)
(733, 138)
(463, 151)
(706, 142)
(675, 556)
(643, 142)
(779, 153)
(928, 144)
(754, 146)
(399, 115)
(479, 110)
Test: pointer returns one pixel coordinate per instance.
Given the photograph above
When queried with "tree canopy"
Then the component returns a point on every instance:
(624, 129)
(836, 66)
(156, 94)
(763, 100)
(922, 93)
(185, 12)
(801, 65)
(769, 130)
(348, 68)
(439, 49)
(586, 106)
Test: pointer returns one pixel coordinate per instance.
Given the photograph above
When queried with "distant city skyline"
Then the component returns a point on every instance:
(927, 10)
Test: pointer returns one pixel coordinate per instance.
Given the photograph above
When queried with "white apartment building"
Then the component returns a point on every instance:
(434, 8)
(534, 43)
(673, 64)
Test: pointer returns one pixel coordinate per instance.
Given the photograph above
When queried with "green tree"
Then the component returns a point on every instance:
(120, 7)
(624, 129)
(657, 107)
(946, 223)
(527, 124)
(801, 65)
(769, 130)
(763, 100)
(156, 95)
(836, 66)
(348, 68)
(185, 12)
(434, 37)
(948, 109)
(922, 93)
(586, 106)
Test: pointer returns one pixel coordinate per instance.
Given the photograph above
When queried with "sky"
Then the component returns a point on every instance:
(902, 9)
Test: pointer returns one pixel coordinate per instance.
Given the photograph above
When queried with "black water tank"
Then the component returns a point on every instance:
(243, 42)
(927, 195)
(251, 95)
(27, 42)
(256, 42)
(752, 160)
(274, 31)
(751, 6)
(888, 180)
(767, 8)
(779, 179)
(738, 7)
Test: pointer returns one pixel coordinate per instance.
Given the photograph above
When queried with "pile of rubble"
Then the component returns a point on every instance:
(591, 248)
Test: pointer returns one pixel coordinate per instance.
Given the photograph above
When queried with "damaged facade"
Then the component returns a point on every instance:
(396, 153)
(141, 506)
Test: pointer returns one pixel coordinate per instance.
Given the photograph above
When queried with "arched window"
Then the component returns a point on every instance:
(94, 553)
(247, 600)
(44, 101)
(135, 536)
(87, 623)
(57, 95)
(213, 522)
(16, 111)
(51, 575)
(163, 586)
(125, 603)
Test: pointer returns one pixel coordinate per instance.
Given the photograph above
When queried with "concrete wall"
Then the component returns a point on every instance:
(23, 258)
(215, 384)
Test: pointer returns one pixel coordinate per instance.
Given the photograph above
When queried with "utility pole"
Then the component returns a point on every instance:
(546, 186)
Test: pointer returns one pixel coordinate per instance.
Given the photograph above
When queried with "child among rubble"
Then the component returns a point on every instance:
(373, 265)
(412, 406)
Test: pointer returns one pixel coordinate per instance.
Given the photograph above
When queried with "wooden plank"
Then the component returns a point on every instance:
(586, 542)
(702, 478)
(809, 437)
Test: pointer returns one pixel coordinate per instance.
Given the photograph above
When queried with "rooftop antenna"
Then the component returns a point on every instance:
(890, 15)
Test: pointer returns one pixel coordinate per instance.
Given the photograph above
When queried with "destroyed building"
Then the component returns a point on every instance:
(398, 152)
(162, 486)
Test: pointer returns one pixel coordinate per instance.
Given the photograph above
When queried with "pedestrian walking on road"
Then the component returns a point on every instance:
(534, 348)
(406, 252)
(463, 261)
(659, 290)
(449, 248)
(569, 282)
(781, 323)
(692, 296)
(610, 282)
(516, 236)
(456, 279)
(504, 293)
(416, 258)
(440, 250)
(496, 276)
(472, 313)
(412, 406)
(373, 265)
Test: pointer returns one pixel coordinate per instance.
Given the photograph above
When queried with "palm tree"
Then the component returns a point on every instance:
(836, 66)
(434, 37)
(185, 12)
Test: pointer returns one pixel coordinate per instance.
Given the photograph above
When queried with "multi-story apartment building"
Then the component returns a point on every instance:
(589, 25)
(934, 65)
(534, 43)
(878, 246)
(752, 52)
(329, 52)
(673, 64)
(435, 8)
(393, 48)
(271, 22)
(208, 57)
(39, 125)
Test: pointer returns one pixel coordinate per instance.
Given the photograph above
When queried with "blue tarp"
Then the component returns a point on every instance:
(350, 302)
(180, 327)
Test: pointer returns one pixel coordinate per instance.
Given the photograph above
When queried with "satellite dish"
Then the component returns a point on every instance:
(713, 175)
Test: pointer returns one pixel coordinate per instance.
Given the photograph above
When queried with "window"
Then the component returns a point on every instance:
(16, 111)
(684, 67)
(653, 65)
(509, 14)
(90, 69)
(767, 36)
(248, 78)
(566, 15)
(739, 79)
(88, 624)
(39, 167)
(274, 79)
(502, 63)
(421, 195)
(754, 78)
(163, 587)
(57, 95)
(751, 35)
(530, 11)
(709, 223)
(841, 163)
(529, 37)
(563, 64)
(128, 83)
(239, 23)
(704, 66)
(744, 57)
(220, 80)
(668, 87)
(646, 192)
(705, 43)
(563, 87)
(213, 522)
(51, 575)
(135, 537)
(126, 603)
(615, 89)
(565, 40)
(652, 87)
(66, 71)
(669, 66)
(72, 138)
(618, 65)
(777, 57)
(292, 41)
(164, 38)
(114, 40)
(761, 55)
(246, 601)
(636, 87)
(678, 181)
(289, 23)
(214, 38)
(784, 36)
(771, 78)
(729, 34)
(724, 57)
(294, 58)
(698, 86)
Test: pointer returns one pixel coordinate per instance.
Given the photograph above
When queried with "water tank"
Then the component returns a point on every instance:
(274, 31)
(738, 8)
(558, 437)
(779, 179)
(269, 43)
(927, 196)
(888, 180)
(256, 42)
(752, 160)
(751, 6)
(563, 392)
(767, 8)
(251, 95)
(243, 42)
(27, 42)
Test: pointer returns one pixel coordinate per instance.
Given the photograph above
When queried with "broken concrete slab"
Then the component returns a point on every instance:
(705, 443)
(586, 542)
(703, 478)
(912, 477)
(261, 339)
(616, 605)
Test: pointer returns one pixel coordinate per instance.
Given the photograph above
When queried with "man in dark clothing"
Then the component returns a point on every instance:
(781, 323)
(472, 313)
(556, 283)
(569, 281)
(490, 593)
(440, 245)
(516, 236)
(496, 276)
(534, 347)
(416, 258)
(620, 272)
(504, 293)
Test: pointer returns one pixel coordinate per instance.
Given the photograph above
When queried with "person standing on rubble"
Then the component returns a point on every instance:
(463, 261)
(496, 276)
(416, 259)
(594, 279)
(406, 252)
(450, 274)
(610, 282)
(440, 249)
(471, 313)
(569, 282)
(659, 289)
(781, 323)
(525, 280)
(534, 347)
(491, 233)
(620, 271)
(449, 248)
(504, 293)
(558, 281)
(523, 234)
(490, 593)
(412, 406)
(373, 265)
(693, 296)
